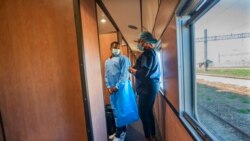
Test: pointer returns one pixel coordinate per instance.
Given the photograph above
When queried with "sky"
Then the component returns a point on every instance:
(226, 17)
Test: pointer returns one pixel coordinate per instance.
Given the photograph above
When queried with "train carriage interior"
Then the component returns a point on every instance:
(53, 57)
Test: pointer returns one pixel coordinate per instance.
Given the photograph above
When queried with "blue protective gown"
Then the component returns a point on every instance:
(123, 102)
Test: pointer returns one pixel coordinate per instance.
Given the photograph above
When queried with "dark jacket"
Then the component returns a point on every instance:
(148, 70)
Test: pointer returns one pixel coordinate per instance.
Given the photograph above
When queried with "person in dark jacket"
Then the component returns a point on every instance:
(147, 74)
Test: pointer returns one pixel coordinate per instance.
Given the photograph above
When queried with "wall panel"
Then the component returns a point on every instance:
(92, 63)
(40, 86)
(164, 15)
(170, 63)
(124, 50)
(174, 129)
(159, 113)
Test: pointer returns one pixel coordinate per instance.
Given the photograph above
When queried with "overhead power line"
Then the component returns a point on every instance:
(223, 37)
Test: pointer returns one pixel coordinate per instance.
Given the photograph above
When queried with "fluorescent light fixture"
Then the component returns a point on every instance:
(103, 20)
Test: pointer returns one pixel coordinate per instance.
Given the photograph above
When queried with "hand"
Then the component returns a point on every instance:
(112, 90)
(132, 70)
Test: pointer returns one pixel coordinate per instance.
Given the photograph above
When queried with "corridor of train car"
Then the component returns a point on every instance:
(52, 68)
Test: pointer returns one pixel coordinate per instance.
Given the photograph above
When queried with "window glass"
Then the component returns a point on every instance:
(222, 62)
(160, 58)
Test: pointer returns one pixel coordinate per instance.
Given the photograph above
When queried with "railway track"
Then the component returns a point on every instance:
(235, 127)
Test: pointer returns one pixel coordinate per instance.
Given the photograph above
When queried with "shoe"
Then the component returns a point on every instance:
(123, 135)
(117, 139)
(111, 137)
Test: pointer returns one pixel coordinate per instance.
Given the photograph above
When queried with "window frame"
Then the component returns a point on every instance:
(186, 66)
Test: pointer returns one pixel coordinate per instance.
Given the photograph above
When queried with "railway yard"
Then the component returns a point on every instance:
(224, 109)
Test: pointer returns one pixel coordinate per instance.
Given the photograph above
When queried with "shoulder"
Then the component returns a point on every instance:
(107, 61)
(150, 53)
(122, 57)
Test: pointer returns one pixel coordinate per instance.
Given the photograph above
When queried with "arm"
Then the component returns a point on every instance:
(146, 64)
(110, 89)
(125, 63)
(106, 75)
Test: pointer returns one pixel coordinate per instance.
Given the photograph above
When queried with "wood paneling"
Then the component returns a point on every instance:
(92, 65)
(124, 50)
(174, 129)
(105, 41)
(170, 63)
(40, 86)
(159, 112)
(170, 127)
(149, 11)
(164, 15)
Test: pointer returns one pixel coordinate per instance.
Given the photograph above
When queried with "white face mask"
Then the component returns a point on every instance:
(140, 47)
(116, 52)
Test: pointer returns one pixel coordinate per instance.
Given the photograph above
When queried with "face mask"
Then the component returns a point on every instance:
(157, 46)
(140, 47)
(116, 52)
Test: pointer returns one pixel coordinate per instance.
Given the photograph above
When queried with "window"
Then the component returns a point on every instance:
(159, 52)
(218, 98)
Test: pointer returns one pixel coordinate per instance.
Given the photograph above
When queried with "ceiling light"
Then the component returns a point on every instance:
(103, 20)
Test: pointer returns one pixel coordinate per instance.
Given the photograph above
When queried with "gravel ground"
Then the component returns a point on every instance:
(231, 107)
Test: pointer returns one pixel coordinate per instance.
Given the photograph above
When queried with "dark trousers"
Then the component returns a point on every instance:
(119, 130)
(146, 102)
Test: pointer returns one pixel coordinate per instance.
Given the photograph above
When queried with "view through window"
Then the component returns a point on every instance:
(222, 59)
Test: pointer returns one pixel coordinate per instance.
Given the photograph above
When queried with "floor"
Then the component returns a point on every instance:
(135, 132)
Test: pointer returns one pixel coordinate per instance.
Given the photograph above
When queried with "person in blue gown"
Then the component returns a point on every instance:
(122, 97)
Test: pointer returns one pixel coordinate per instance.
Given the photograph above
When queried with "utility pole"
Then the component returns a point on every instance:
(205, 50)
(219, 58)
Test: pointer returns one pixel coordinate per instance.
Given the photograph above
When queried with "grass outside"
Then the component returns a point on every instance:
(244, 111)
(240, 73)
(209, 95)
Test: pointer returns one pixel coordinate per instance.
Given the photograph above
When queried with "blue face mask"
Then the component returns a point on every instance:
(140, 47)
(116, 52)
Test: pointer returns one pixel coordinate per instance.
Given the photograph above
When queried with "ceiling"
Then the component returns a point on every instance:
(104, 27)
(128, 12)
